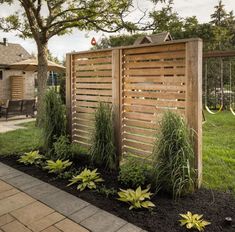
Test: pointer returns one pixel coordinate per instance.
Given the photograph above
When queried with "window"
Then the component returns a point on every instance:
(1, 74)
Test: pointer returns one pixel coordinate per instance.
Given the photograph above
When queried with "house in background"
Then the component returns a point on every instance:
(155, 38)
(15, 84)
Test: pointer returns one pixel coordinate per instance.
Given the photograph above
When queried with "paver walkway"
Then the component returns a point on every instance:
(13, 123)
(28, 204)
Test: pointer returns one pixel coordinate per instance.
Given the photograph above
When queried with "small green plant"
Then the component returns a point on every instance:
(106, 191)
(133, 173)
(193, 221)
(57, 166)
(174, 157)
(32, 157)
(103, 151)
(136, 198)
(87, 178)
(62, 148)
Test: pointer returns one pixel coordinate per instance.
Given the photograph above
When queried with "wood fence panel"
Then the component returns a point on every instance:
(141, 82)
(92, 82)
(154, 81)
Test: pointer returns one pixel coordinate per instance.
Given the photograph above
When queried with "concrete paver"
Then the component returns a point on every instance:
(84, 213)
(32, 212)
(15, 226)
(103, 221)
(65, 203)
(69, 226)
(5, 219)
(58, 211)
(14, 202)
(45, 222)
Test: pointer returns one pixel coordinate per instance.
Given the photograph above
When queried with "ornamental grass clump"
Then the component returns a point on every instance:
(102, 151)
(54, 121)
(173, 155)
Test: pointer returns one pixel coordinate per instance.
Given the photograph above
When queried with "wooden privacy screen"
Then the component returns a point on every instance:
(17, 87)
(141, 83)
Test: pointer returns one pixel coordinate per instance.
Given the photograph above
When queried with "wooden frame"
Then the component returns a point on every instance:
(141, 82)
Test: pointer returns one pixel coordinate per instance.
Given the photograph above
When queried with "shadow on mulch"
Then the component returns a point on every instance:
(214, 205)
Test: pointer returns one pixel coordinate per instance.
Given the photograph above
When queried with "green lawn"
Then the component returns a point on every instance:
(219, 151)
(19, 141)
(218, 148)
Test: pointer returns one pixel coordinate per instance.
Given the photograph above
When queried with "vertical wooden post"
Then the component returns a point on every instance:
(194, 98)
(116, 98)
(68, 95)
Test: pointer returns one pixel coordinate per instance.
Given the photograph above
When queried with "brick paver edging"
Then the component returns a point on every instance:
(76, 209)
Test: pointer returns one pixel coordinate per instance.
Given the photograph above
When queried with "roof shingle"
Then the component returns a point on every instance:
(12, 53)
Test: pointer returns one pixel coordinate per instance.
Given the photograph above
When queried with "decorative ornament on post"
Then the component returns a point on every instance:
(93, 41)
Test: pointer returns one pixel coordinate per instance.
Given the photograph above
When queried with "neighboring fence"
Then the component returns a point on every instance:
(141, 83)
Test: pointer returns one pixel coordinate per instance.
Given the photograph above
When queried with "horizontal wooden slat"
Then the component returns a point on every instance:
(154, 48)
(151, 72)
(93, 73)
(93, 86)
(93, 98)
(172, 79)
(151, 94)
(140, 116)
(88, 62)
(137, 152)
(85, 110)
(83, 127)
(155, 64)
(170, 55)
(93, 54)
(138, 145)
(94, 80)
(137, 123)
(84, 116)
(139, 131)
(155, 103)
(139, 138)
(155, 87)
(94, 92)
(94, 67)
(81, 139)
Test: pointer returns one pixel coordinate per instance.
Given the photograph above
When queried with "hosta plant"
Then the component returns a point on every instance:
(193, 221)
(57, 166)
(87, 179)
(136, 198)
(32, 157)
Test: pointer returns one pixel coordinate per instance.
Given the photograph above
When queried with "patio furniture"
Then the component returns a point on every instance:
(28, 107)
(18, 107)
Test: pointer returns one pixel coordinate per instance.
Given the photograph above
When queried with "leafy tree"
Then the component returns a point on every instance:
(41, 20)
(117, 41)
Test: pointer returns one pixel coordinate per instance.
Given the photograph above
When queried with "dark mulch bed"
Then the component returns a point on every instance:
(214, 205)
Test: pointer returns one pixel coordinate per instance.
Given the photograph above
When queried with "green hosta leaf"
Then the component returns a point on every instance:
(30, 158)
(57, 166)
(193, 221)
(136, 198)
(88, 178)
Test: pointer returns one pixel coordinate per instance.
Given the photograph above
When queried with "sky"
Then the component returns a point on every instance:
(80, 40)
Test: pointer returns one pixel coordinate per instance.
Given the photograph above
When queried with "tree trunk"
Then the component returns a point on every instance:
(42, 79)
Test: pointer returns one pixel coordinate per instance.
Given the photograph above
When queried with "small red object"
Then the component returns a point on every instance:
(93, 41)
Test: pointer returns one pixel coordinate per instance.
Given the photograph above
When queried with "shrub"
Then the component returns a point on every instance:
(32, 157)
(88, 178)
(62, 148)
(133, 173)
(54, 122)
(57, 166)
(193, 221)
(174, 157)
(136, 198)
(103, 150)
